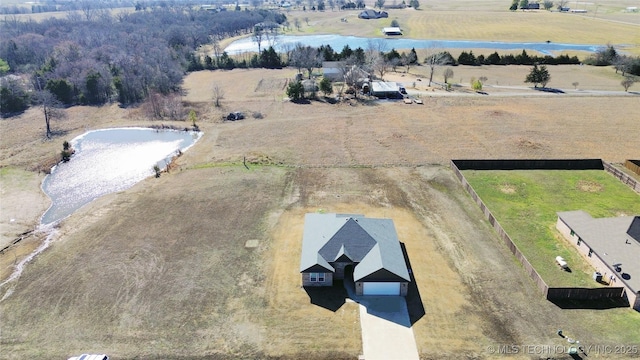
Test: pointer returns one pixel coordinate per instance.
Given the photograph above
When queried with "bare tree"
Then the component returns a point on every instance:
(218, 94)
(448, 74)
(217, 49)
(627, 82)
(378, 63)
(435, 57)
(257, 35)
(305, 57)
(351, 74)
(88, 9)
(51, 108)
(374, 57)
(296, 23)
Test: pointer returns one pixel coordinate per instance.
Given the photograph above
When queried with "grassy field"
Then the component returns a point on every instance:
(464, 20)
(526, 203)
(161, 270)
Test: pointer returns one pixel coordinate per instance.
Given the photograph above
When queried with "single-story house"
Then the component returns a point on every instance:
(385, 90)
(372, 14)
(610, 245)
(392, 30)
(334, 246)
(533, 6)
(332, 70)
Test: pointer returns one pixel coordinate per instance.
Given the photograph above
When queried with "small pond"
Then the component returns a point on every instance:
(107, 161)
(338, 42)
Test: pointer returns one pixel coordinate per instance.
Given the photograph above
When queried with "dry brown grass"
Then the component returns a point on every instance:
(492, 21)
(161, 270)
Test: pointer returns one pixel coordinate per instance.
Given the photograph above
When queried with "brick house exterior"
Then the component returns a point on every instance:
(335, 243)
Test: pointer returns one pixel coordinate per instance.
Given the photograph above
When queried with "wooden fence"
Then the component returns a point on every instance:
(585, 293)
(549, 293)
(624, 178)
(633, 165)
(533, 274)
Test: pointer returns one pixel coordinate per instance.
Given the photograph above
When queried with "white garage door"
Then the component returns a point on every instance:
(381, 288)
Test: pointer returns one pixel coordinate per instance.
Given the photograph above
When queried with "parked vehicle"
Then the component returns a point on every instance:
(90, 357)
(236, 115)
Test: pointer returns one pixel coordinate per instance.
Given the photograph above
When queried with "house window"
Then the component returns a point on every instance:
(316, 277)
(320, 277)
(572, 233)
(590, 252)
(579, 241)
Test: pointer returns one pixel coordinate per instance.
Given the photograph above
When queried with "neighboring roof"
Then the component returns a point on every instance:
(368, 14)
(392, 30)
(634, 229)
(370, 243)
(610, 240)
(381, 86)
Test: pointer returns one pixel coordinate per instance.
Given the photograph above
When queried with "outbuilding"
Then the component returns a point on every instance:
(392, 31)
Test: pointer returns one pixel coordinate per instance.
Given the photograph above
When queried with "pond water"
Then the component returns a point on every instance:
(106, 161)
(338, 42)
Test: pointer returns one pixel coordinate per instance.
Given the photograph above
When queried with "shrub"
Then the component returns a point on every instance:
(295, 91)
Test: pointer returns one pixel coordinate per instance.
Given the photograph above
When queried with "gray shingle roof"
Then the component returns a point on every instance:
(373, 243)
(609, 239)
(634, 229)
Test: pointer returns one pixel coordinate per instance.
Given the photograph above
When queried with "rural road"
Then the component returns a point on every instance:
(519, 91)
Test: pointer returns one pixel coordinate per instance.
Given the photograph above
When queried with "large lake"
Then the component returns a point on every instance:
(107, 161)
(338, 42)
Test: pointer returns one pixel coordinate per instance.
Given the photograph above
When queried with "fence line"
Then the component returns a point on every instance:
(533, 274)
(633, 165)
(624, 178)
(553, 293)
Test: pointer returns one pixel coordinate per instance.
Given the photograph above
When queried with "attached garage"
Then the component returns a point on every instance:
(381, 288)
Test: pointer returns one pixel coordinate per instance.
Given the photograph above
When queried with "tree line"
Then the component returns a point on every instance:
(123, 57)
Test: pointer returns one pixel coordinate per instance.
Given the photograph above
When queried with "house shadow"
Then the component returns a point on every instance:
(598, 304)
(414, 301)
(331, 298)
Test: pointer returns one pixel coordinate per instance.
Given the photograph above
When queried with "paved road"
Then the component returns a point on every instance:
(386, 329)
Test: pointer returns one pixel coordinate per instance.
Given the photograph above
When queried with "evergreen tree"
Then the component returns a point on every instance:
(538, 75)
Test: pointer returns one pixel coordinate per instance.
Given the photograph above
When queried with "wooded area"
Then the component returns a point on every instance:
(94, 59)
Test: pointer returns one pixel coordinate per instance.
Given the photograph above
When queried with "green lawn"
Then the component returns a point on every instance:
(525, 203)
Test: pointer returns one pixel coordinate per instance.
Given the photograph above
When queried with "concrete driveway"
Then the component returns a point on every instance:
(386, 329)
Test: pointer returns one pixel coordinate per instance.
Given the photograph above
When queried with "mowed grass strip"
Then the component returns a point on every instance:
(526, 202)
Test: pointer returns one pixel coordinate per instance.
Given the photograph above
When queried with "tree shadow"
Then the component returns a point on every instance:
(549, 90)
(328, 297)
(598, 304)
(413, 298)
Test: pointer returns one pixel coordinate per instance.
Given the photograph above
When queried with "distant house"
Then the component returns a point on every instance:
(611, 245)
(392, 31)
(533, 6)
(338, 70)
(372, 14)
(332, 70)
(339, 246)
